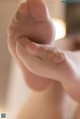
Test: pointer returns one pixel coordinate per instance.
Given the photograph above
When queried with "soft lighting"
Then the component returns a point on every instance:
(60, 27)
(21, 1)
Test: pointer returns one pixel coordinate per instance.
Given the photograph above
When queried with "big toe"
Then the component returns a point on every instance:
(37, 9)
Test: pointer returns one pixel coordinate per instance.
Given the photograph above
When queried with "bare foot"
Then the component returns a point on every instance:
(77, 113)
(31, 21)
(49, 62)
(47, 104)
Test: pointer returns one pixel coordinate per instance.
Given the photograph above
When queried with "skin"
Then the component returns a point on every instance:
(52, 63)
(50, 97)
(29, 25)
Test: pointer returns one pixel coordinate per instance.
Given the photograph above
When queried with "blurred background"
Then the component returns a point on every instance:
(13, 90)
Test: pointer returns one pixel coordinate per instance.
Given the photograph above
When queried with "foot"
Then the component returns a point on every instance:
(77, 113)
(47, 104)
(48, 62)
(31, 21)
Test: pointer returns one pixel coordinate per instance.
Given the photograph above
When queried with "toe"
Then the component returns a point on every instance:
(21, 49)
(55, 55)
(59, 57)
(21, 13)
(51, 53)
(34, 8)
(24, 41)
(33, 48)
(37, 49)
(23, 9)
(38, 10)
(42, 51)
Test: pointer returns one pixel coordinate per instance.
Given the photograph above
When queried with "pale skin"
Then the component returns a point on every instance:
(43, 65)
